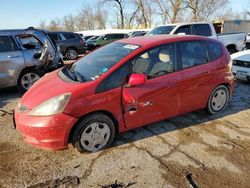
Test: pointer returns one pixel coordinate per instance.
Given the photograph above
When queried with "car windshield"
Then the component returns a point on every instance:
(161, 30)
(100, 61)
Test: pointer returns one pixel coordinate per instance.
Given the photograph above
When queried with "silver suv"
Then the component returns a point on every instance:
(25, 55)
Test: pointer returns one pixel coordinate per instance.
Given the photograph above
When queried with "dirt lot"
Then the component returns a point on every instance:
(193, 150)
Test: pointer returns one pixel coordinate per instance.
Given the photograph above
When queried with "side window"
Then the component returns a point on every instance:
(107, 37)
(214, 50)
(192, 53)
(202, 29)
(184, 29)
(54, 36)
(5, 44)
(69, 36)
(30, 42)
(118, 36)
(117, 79)
(156, 62)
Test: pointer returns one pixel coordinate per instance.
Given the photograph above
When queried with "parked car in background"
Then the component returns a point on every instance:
(71, 44)
(87, 37)
(90, 42)
(248, 41)
(26, 55)
(137, 33)
(108, 38)
(233, 41)
(241, 65)
(122, 86)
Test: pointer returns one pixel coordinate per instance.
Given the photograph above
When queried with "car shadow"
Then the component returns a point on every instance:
(240, 101)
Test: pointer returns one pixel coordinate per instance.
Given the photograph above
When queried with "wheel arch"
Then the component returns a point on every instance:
(224, 84)
(107, 113)
(231, 47)
(23, 70)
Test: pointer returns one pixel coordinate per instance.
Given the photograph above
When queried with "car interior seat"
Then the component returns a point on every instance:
(164, 65)
(141, 65)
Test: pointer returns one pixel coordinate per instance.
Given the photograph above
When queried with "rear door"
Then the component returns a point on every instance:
(158, 97)
(196, 74)
(11, 61)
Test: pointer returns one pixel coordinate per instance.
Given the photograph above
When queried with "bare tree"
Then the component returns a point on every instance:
(100, 17)
(169, 10)
(120, 7)
(145, 15)
(55, 24)
(204, 9)
(69, 23)
(42, 25)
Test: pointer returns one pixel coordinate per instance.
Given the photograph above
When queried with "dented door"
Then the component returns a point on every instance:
(153, 101)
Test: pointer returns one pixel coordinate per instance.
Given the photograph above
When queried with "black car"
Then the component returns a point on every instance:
(137, 33)
(71, 44)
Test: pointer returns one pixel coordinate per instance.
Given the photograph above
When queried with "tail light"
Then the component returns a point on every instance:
(82, 41)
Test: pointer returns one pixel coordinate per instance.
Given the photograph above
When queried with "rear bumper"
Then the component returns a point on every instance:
(50, 132)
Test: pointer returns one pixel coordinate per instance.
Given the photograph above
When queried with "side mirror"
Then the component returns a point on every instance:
(136, 79)
(37, 54)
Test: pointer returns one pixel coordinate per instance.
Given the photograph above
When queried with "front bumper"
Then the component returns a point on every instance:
(241, 73)
(50, 132)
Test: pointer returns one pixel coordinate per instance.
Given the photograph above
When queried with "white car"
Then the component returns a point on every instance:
(241, 65)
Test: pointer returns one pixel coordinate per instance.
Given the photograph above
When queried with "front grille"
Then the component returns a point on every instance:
(241, 63)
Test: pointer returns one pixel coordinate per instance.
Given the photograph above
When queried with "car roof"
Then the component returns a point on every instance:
(181, 24)
(158, 39)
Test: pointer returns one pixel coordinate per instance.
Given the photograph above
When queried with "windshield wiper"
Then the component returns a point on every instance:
(77, 76)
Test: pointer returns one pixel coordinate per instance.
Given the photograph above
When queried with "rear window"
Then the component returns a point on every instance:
(69, 36)
(202, 30)
(214, 50)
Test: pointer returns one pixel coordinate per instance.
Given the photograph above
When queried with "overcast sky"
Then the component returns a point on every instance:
(25, 13)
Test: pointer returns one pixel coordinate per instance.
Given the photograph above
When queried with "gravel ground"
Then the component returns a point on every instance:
(192, 150)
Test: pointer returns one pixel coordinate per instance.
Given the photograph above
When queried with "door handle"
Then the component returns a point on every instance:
(13, 56)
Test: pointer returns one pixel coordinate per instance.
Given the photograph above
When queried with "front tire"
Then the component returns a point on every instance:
(93, 133)
(27, 78)
(218, 100)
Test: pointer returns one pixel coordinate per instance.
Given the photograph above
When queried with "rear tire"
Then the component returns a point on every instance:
(218, 100)
(71, 54)
(27, 78)
(93, 133)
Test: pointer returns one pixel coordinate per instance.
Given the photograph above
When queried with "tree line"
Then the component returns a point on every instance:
(135, 14)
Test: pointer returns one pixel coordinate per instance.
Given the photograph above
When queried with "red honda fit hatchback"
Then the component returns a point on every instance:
(124, 85)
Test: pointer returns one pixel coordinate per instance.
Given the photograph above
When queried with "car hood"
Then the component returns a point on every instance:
(48, 86)
(241, 56)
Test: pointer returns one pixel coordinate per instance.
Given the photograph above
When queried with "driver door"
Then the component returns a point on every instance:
(158, 97)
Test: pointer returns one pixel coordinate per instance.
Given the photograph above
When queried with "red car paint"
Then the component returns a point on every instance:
(157, 99)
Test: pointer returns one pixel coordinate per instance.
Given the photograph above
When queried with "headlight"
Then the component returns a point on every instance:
(52, 106)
